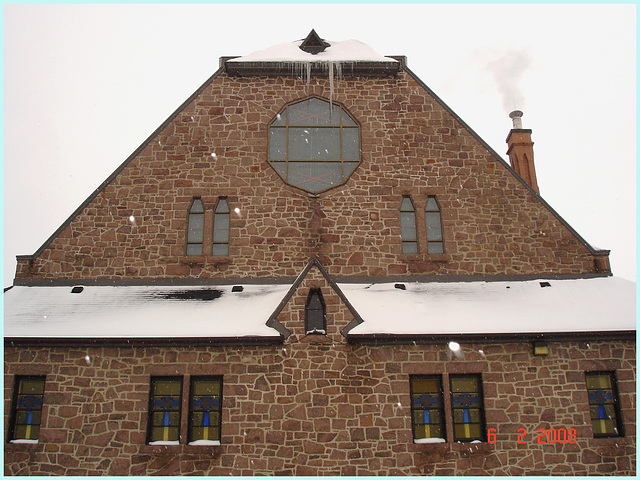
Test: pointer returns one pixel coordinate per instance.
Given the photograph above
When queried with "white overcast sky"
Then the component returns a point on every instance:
(85, 85)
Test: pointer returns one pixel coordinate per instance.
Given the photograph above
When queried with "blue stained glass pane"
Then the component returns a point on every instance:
(30, 402)
(426, 400)
(600, 396)
(466, 400)
(426, 417)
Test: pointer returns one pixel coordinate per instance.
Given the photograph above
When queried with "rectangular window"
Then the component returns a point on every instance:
(205, 410)
(427, 409)
(603, 404)
(27, 409)
(164, 410)
(467, 408)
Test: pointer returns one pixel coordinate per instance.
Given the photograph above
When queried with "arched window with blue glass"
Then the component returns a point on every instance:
(205, 410)
(314, 145)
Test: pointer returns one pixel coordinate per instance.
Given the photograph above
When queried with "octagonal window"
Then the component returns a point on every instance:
(314, 145)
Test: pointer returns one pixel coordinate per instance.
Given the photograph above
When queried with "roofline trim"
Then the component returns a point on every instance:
(122, 166)
(142, 341)
(592, 250)
(517, 337)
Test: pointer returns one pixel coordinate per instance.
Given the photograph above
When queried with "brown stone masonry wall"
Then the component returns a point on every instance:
(410, 146)
(311, 407)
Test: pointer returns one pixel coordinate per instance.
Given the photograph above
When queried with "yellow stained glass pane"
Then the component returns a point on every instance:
(31, 386)
(425, 385)
(595, 382)
(164, 434)
(206, 387)
(464, 384)
(467, 431)
(205, 433)
(604, 427)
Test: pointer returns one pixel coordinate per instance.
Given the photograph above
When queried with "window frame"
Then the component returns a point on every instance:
(191, 413)
(11, 437)
(433, 241)
(191, 215)
(483, 426)
(152, 410)
(408, 242)
(616, 404)
(307, 309)
(441, 409)
(221, 211)
(282, 121)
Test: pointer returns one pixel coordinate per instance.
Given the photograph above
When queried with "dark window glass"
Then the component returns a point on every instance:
(435, 242)
(408, 226)
(427, 408)
(603, 404)
(205, 409)
(315, 313)
(27, 409)
(314, 145)
(467, 408)
(195, 228)
(164, 410)
(221, 219)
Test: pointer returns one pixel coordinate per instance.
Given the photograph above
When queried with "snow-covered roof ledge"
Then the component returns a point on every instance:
(517, 311)
(141, 315)
(324, 57)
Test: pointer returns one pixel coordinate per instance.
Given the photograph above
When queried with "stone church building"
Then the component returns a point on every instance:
(315, 267)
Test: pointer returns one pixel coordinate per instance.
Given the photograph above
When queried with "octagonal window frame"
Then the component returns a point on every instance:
(302, 144)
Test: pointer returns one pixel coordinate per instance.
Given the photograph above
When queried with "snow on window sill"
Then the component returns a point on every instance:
(205, 443)
(429, 440)
(164, 443)
(24, 441)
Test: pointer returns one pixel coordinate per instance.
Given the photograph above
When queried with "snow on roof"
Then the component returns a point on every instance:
(140, 311)
(539, 306)
(344, 51)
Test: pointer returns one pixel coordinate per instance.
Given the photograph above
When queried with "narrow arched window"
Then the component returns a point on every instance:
(435, 241)
(221, 217)
(408, 226)
(195, 227)
(315, 313)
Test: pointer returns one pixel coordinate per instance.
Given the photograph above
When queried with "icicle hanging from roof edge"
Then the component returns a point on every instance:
(331, 85)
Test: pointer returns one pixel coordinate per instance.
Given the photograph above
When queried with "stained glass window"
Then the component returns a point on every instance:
(467, 408)
(195, 228)
(164, 410)
(435, 242)
(27, 408)
(314, 145)
(603, 404)
(221, 218)
(427, 408)
(408, 226)
(205, 409)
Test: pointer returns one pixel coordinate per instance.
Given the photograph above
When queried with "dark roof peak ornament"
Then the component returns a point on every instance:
(313, 44)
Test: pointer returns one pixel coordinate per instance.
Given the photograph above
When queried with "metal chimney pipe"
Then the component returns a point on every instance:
(516, 116)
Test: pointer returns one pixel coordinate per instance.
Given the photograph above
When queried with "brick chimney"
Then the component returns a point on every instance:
(520, 151)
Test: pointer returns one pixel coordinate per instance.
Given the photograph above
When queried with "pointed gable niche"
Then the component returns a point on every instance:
(313, 44)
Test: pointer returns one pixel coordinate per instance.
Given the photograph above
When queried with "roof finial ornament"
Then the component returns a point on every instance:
(313, 44)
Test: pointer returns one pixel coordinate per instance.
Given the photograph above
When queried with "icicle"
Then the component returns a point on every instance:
(308, 77)
(331, 85)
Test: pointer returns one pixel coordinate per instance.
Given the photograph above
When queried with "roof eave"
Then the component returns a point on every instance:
(292, 68)
(142, 341)
(487, 338)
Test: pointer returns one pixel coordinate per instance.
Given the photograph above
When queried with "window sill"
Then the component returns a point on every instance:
(204, 259)
(21, 446)
(424, 257)
(469, 447)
